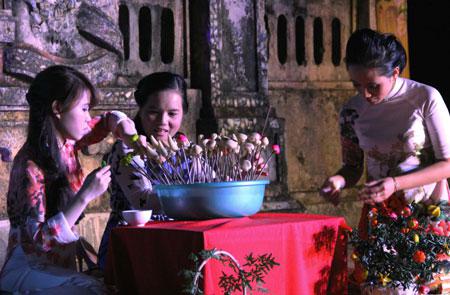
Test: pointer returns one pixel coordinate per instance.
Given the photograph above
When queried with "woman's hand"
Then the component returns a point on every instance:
(96, 183)
(332, 187)
(377, 191)
(94, 186)
(126, 130)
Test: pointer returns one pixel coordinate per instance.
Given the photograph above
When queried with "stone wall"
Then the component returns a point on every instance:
(103, 39)
(313, 146)
(308, 83)
(240, 59)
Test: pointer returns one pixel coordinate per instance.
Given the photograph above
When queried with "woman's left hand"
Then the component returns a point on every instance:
(377, 191)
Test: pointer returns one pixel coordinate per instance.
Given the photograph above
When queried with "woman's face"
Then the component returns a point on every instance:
(370, 84)
(73, 123)
(162, 114)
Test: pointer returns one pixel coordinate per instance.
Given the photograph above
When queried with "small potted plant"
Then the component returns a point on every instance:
(406, 249)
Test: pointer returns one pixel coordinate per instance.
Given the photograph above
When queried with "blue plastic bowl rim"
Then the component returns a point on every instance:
(213, 184)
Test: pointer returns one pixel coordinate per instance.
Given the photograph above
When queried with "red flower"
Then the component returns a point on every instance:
(405, 230)
(393, 215)
(406, 212)
(276, 149)
(182, 138)
(423, 290)
(413, 223)
(374, 223)
(438, 231)
(419, 256)
(395, 203)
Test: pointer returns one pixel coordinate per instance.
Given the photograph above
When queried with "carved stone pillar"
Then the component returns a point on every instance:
(7, 29)
(237, 41)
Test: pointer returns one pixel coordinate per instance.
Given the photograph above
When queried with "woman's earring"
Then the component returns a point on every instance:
(56, 109)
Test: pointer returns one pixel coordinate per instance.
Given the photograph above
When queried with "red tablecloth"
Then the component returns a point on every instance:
(311, 250)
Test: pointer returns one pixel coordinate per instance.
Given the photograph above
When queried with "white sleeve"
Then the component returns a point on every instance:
(55, 229)
(135, 186)
(119, 116)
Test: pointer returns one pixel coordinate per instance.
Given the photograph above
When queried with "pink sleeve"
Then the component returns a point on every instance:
(99, 130)
(101, 126)
(44, 233)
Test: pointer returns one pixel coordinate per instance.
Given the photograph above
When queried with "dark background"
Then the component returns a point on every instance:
(429, 43)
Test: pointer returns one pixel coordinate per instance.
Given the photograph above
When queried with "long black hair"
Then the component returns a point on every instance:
(64, 85)
(154, 83)
(372, 49)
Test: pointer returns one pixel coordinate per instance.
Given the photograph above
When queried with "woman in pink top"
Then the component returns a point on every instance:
(47, 190)
(399, 127)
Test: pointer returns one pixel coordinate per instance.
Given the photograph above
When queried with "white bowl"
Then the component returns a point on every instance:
(137, 217)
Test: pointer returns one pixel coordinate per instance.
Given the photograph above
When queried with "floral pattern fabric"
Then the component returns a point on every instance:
(42, 239)
(408, 130)
(129, 189)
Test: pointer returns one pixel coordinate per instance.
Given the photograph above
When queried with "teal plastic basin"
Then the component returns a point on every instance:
(211, 200)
